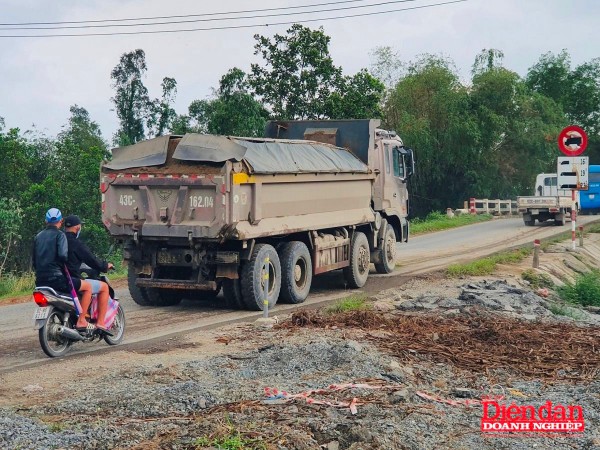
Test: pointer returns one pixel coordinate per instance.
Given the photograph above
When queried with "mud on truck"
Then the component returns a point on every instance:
(257, 217)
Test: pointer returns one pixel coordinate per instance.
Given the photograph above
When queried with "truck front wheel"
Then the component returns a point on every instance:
(296, 272)
(357, 272)
(387, 254)
(264, 261)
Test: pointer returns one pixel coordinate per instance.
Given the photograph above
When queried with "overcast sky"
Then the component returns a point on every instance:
(41, 77)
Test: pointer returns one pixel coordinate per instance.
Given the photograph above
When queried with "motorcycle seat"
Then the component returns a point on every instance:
(63, 295)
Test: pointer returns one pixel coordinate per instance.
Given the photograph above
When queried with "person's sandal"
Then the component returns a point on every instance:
(89, 328)
(105, 331)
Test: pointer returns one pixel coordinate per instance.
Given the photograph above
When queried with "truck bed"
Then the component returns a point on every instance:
(537, 202)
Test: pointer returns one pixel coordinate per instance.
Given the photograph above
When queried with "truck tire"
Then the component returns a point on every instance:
(137, 294)
(232, 291)
(151, 296)
(528, 222)
(253, 276)
(387, 254)
(559, 221)
(296, 272)
(357, 272)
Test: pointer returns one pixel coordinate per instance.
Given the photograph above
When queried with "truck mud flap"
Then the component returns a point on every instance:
(405, 231)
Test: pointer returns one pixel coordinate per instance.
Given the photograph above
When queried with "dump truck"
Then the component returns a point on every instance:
(257, 217)
(547, 203)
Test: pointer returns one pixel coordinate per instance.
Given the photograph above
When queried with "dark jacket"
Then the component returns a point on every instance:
(50, 253)
(80, 253)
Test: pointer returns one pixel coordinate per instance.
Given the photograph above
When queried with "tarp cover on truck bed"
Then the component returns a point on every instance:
(263, 156)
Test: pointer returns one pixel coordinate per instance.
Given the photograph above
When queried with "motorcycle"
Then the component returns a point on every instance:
(55, 320)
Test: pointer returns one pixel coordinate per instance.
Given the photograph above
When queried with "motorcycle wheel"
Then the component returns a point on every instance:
(53, 344)
(117, 329)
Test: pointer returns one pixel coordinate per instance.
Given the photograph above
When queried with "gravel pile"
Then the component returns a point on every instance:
(498, 296)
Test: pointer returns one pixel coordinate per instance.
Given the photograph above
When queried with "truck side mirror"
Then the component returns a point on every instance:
(410, 162)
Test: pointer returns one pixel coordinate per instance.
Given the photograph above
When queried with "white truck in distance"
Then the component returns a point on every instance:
(547, 203)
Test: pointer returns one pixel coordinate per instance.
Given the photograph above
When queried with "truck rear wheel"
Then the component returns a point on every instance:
(387, 254)
(264, 257)
(232, 291)
(150, 296)
(528, 222)
(357, 272)
(296, 272)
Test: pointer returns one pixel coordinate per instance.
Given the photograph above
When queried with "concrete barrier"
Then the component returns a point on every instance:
(495, 207)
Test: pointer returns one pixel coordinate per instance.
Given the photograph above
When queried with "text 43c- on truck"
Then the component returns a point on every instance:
(258, 217)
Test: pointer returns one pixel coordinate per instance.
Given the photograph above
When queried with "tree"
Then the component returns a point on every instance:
(298, 73)
(430, 109)
(577, 91)
(232, 111)
(131, 98)
(298, 79)
(80, 149)
(11, 217)
(161, 112)
(387, 66)
(357, 97)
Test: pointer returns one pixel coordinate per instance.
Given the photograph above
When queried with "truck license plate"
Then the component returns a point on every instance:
(535, 211)
(41, 313)
(169, 258)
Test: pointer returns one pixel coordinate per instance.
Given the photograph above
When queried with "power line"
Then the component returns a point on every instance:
(182, 16)
(212, 19)
(231, 27)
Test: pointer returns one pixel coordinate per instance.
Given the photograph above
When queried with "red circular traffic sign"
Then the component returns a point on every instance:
(572, 141)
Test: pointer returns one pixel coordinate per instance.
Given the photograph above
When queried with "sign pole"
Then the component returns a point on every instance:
(573, 219)
(572, 142)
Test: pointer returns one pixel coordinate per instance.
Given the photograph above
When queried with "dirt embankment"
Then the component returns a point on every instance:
(409, 373)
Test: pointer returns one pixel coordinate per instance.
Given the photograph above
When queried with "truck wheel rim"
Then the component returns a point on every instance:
(300, 273)
(390, 250)
(363, 260)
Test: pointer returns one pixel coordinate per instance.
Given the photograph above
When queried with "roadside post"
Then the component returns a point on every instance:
(266, 288)
(536, 254)
(572, 170)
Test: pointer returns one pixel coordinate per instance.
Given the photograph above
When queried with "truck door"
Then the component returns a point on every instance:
(400, 195)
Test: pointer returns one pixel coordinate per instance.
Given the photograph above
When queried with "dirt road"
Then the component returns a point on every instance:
(18, 341)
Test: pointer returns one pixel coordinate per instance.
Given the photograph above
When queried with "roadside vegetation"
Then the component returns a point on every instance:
(352, 303)
(585, 291)
(537, 280)
(487, 266)
(437, 221)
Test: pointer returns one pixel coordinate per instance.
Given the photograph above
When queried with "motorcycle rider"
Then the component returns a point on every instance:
(49, 256)
(79, 253)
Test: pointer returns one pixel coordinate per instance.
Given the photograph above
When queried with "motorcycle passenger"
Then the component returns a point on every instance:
(49, 256)
(79, 253)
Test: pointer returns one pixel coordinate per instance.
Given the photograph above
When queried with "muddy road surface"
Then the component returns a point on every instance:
(151, 327)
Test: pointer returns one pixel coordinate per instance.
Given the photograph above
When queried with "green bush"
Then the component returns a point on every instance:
(11, 285)
(352, 303)
(437, 221)
(585, 291)
(537, 280)
(487, 266)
